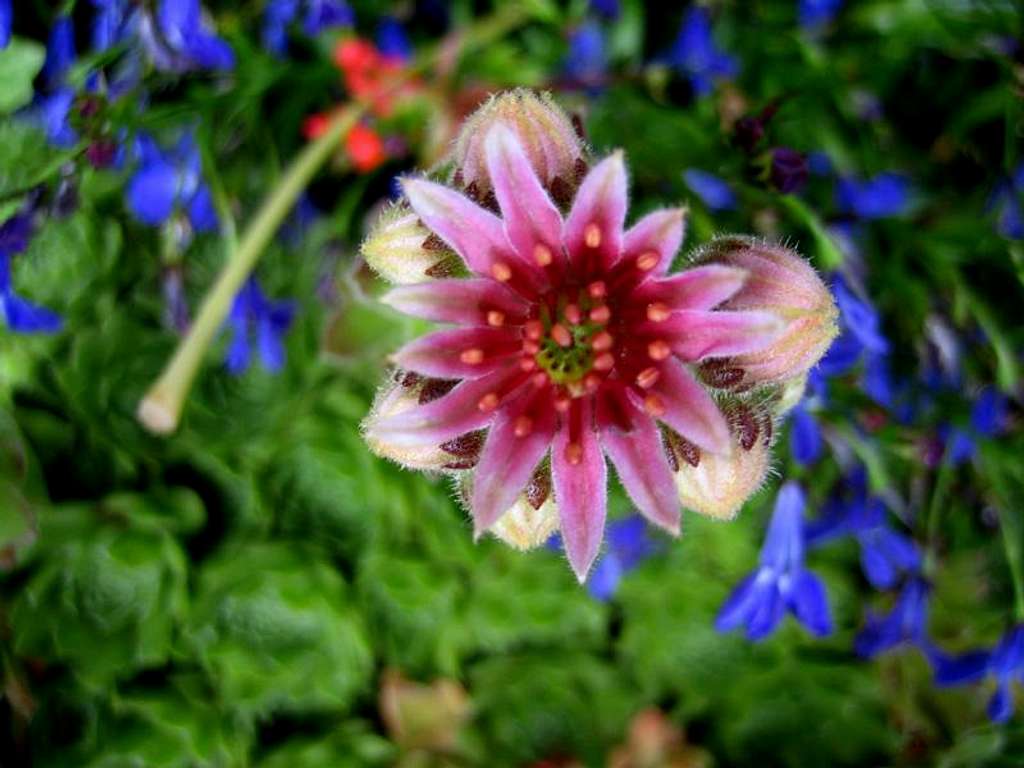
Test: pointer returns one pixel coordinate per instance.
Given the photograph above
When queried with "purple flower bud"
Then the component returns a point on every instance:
(788, 170)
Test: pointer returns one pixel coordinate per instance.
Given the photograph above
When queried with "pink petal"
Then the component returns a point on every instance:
(697, 288)
(508, 460)
(463, 301)
(531, 219)
(659, 233)
(580, 487)
(695, 335)
(686, 406)
(459, 354)
(477, 235)
(440, 420)
(598, 213)
(639, 459)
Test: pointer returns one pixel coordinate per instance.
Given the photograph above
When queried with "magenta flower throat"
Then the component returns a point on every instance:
(573, 342)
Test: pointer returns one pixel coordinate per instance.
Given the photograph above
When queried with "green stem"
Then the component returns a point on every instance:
(1013, 545)
(160, 409)
(939, 495)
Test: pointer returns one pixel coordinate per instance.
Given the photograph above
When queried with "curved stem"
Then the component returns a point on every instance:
(160, 409)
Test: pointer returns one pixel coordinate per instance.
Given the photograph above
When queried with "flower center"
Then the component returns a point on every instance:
(568, 340)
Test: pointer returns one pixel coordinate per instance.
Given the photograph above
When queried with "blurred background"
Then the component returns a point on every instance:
(257, 589)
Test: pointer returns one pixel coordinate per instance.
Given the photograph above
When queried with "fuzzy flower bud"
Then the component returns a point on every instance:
(780, 282)
(717, 484)
(545, 132)
(531, 520)
(405, 392)
(403, 251)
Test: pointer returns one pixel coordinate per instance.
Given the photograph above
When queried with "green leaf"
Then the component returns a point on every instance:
(20, 62)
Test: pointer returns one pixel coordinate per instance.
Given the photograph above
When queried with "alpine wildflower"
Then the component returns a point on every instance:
(6, 21)
(317, 16)
(572, 341)
(20, 315)
(905, 624)
(170, 182)
(178, 39)
(252, 313)
(1005, 663)
(884, 195)
(781, 583)
(712, 190)
(629, 544)
(696, 55)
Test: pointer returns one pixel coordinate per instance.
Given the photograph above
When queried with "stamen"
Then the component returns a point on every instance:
(658, 312)
(531, 347)
(473, 356)
(542, 255)
(658, 350)
(591, 382)
(592, 235)
(562, 404)
(539, 379)
(654, 405)
(647, 261)
(561, 335)
(574, 453)
(648, 377)
(495, 318)
(601, 314)
(597, 289)
(604, 362)
(523, 426)
(572, 314)
(501, 271)
(534, 330)
(488, 402)
(527, 364)
(602, 342)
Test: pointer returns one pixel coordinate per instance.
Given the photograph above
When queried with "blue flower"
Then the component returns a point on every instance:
(53, 105)
(781, 583)
(253, 313)
(817, 13)
(885, 554)
(6, 20)
(628, 546)
(392, 42)
(805, 442)
(20, 315)
(988, 417)
(177, 39)
(585, 63)
(113, 21)
(715, 192)
(907, 623)
(695, 54)
(1005, 663)
(1008, 203)
(859, 321)
(168, 182)
(609, 9)
(887, 194)
(319, 15)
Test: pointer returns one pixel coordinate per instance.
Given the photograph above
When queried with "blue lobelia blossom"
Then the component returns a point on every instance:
(6, 21)
(1005, 663)
(252, 313)
(628, 546)
(53, 105)
(392, 42)
(988, 417)
(318, 15)
(113, 21)
(168, 182)
(805, 442)
(886, 555)
(713, 191)
(177, 39)
(695, 54)
(1008, 203)
(586, 63)
(781, 583)
(906, 624)
(20, 315)
(887, 194)
(608, 9)
(814, 14)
